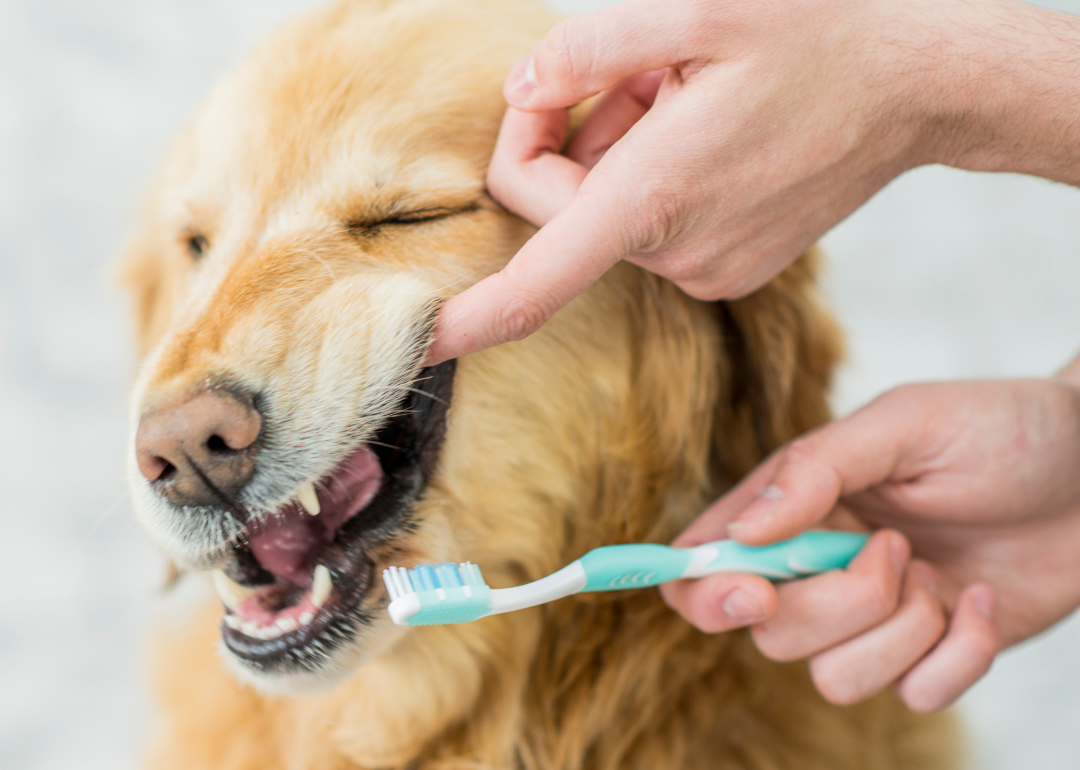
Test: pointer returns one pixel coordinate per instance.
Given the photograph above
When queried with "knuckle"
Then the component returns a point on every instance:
(928, 608)
(800, 449)
(834, 684)
(980, 658)
(519, 317)
(983, 649)
(878, 599)
(772, 645)
(685, 271)
(802, 452)
(921, 698)
(903, 397)
(567, 53)
(501, 182)
(655, 219)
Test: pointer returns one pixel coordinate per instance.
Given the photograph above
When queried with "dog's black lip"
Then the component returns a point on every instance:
(407, 448)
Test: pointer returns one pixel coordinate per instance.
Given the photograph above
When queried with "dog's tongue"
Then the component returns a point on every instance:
(288, 542)
(286, 548)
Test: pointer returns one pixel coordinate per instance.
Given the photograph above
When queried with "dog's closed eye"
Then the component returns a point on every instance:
(367, 227)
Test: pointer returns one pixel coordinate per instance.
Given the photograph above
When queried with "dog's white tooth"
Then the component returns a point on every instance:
(232, 594)
(232, 621)
(250, 629)
(287, 624)
(320, 586)
(307, 498)
(306, 617)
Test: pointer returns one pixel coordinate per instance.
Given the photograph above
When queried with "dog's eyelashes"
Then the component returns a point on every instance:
(367, 227)
(197, 246)
(418, 216)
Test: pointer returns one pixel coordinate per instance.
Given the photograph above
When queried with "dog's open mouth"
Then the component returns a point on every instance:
(294, 590)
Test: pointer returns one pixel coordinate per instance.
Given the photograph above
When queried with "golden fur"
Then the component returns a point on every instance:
(617, 422)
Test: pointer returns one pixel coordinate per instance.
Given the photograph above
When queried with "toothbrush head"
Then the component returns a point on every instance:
(439, 594)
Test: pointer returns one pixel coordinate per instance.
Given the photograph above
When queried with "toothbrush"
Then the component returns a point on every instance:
(439, 594)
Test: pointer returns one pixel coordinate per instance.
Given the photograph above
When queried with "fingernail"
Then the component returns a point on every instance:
(982, 599)
(742, 607)
(522, 81)
(760, 510)
(898, 552)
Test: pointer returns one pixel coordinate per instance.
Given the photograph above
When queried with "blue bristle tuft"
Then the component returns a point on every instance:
(449, 574)
(414, 579)
(427, 577)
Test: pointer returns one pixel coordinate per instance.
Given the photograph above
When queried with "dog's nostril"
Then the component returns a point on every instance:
(204, 446)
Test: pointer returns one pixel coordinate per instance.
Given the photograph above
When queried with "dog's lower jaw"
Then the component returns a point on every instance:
(334, 641)
(337, 666)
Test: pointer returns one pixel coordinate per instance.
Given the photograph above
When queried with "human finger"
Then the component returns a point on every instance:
(614, 114)
(960, 659)
(580, 244)
(860, 668)
(584, 55)
(817, 613)
(527, 173)
(712, 523)
(721, 602)
(814, 471)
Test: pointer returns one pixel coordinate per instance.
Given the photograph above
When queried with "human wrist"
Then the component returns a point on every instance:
(1001, 90)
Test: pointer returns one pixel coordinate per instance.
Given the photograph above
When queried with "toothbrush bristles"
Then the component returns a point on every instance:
(429, 577)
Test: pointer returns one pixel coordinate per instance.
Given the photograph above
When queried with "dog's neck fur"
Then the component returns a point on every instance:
(678, 412)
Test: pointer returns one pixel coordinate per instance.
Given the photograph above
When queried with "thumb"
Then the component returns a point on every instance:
(802, 483)
(564, 258)
(584, 55)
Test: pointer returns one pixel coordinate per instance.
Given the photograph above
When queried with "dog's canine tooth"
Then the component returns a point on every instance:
(320, 586)
(232, 621)
(307, 498)
(232, 594)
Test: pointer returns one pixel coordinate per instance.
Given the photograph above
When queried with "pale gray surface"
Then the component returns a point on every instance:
(944, 274)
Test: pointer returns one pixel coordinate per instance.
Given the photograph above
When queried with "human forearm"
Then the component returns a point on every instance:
(1001, 90)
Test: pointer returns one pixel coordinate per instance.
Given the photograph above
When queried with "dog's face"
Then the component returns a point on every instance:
(306, 227)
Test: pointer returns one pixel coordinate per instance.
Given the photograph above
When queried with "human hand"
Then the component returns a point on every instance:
(981, 478)
(734, 134)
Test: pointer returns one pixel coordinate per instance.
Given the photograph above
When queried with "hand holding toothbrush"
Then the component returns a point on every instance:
(982, 478)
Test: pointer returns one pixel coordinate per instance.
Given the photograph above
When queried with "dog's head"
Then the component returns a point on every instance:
(305, 229)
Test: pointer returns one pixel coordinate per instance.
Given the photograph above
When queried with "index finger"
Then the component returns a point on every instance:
(805, 480)
(563, 259)
(584, 55)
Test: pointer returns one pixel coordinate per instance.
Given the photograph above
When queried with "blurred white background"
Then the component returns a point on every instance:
(943, 275)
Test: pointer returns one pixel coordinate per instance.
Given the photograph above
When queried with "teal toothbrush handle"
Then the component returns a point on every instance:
(619, 567)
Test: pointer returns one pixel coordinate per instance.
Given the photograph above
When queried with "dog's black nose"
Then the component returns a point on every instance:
(201, 450)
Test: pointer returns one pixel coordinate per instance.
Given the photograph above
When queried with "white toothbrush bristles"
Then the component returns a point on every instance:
(401, 582)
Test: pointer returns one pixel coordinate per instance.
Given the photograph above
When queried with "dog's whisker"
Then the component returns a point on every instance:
(421, 393)
(380, 443)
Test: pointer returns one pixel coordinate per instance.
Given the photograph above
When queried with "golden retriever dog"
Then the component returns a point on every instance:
(286, 439)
